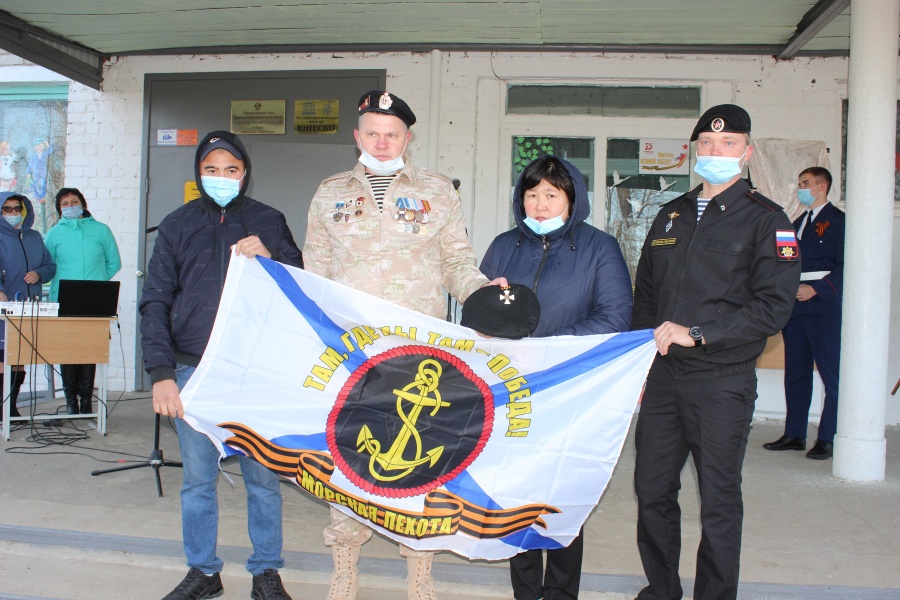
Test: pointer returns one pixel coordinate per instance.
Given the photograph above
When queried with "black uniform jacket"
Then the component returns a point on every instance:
(724, 274)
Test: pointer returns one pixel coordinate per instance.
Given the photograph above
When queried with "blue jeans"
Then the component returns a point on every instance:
(200, 506)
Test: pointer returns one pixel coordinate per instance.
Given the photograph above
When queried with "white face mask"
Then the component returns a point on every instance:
(381, 167)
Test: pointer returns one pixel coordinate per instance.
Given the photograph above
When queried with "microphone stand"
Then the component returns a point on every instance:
(156, 461)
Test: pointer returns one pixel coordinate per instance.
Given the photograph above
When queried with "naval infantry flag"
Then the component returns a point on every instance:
(430, 434)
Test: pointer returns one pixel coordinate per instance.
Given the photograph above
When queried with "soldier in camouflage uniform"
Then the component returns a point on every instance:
(397, 232)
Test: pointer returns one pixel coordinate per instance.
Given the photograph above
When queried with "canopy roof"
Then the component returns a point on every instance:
(74, 37)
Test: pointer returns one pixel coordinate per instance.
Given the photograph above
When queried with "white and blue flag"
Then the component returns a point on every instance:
(425, 431)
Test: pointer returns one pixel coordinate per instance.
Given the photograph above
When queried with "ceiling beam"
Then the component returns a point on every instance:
(680, 49)
(77, 62)
(811, 24)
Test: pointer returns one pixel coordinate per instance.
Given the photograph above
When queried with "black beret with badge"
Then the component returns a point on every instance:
(388, 104)
(504, 312)
(724, 117)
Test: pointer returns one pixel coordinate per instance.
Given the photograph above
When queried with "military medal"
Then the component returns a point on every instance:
(672, 216)
(414, 213)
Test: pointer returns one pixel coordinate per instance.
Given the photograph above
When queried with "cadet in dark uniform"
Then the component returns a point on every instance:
(717, 276)
(814, 332)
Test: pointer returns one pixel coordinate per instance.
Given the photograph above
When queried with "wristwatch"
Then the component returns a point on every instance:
(696, 335)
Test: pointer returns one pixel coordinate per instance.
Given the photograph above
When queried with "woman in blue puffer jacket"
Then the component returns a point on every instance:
(24, 265)
(582, 283)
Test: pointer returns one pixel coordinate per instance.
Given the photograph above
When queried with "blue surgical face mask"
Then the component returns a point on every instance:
(72, 212)
(805, 197)
(221, 189)
(718, 169)
(544, 227)
(13, 220)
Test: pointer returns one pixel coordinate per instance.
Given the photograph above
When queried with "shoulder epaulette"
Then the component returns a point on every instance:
(435, 174)
(762, 200)
(343, 175)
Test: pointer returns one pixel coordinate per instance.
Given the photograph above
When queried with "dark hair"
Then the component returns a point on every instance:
(819, 173)
(69, 192)
(554, 172)
(19, 197)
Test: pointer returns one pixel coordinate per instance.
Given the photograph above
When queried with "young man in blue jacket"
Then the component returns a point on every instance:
(181, 295)
(813, 334)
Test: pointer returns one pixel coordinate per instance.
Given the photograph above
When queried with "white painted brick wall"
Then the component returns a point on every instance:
(798, 99)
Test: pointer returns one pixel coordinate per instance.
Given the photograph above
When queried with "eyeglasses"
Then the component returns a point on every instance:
(12, 209)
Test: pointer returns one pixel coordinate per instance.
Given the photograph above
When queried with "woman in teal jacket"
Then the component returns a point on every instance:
(82, 248)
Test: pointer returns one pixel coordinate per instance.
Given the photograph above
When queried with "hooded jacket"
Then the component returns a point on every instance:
(577, 272)
(22, 250)
(186, 272)
(82, 249)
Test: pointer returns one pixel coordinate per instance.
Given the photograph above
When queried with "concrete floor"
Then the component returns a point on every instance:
(65, 534)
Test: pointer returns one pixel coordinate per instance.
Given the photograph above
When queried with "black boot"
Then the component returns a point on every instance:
(85, 385)
(18, 380)
(69, 375)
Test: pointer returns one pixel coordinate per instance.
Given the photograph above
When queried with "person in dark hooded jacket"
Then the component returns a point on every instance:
(181, 295)
(25, 264)
(582, 283)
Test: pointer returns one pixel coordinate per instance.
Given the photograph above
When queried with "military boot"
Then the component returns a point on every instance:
(344, 583)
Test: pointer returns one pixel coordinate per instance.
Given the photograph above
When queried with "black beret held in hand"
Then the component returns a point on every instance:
(511, 312)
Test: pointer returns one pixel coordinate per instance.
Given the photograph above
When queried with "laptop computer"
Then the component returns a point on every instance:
(84, 298)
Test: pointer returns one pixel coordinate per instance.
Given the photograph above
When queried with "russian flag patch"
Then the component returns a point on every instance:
(786, 247)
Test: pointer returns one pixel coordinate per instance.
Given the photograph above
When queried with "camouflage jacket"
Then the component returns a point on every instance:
(404, 256)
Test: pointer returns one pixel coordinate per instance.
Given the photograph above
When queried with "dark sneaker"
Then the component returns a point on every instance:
(197, 586)
(268, 586)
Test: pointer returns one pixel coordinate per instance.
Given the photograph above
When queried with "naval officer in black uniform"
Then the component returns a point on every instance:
(813, 334)
(717, 276)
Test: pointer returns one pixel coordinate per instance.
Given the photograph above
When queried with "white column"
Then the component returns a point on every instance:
(434, 105)
(859, 450)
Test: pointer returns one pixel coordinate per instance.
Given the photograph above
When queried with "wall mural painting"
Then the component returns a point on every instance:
(32, 153)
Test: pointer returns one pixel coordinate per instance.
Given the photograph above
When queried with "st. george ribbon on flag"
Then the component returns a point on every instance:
(432, 435)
